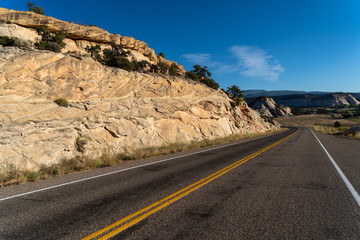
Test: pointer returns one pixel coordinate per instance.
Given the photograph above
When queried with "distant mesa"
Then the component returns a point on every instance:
(301, 99)
(266, 106)
(317, 100)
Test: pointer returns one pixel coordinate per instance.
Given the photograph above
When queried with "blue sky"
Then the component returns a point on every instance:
(255, 44)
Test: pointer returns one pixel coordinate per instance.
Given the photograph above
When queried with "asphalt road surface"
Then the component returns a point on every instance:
(283, 186)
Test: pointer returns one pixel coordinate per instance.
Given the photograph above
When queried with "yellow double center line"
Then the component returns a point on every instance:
(136, 217)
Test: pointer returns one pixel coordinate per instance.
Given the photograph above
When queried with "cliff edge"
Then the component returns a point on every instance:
(58, 106)
(110, 109)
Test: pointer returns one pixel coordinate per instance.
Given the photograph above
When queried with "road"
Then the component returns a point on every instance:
(282, 186)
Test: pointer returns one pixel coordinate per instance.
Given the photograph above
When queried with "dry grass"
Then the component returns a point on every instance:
(323, 123)
(10, 175)
(315, 119)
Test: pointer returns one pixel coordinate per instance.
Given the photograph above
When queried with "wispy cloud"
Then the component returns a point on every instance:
(205, 59)
(251, 62)
(199, 58)
(255, 62)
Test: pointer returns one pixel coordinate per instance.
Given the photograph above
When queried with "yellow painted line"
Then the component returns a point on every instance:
(145, 212)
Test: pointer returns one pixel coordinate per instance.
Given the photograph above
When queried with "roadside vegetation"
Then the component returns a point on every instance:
(338, 131)
(12, 176)
(331, 124)
(342, 111)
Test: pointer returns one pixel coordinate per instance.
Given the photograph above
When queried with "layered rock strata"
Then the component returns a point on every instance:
(266, 106)
(23, 24)
(110, 110)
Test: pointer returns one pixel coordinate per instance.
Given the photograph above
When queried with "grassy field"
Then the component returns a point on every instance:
(316, 119)
(323, 123)
(13, 176)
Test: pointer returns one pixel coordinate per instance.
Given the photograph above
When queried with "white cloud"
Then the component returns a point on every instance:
(198, 58)
(205, 59)
(255, 62)
(251, 62)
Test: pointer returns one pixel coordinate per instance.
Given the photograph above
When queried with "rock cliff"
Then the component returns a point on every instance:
(266, 106)
(313, 100)
(23, 24)
(110, 110)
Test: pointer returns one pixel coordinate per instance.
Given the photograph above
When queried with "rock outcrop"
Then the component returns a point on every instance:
(110, 110)
(266, 106)
(23, 24)
(317, 100)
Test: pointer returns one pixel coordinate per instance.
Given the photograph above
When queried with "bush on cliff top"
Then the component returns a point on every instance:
(174, 70)
(117, 57)
(235, 94)
(203, 75)
(94, 51)
(50, 41)
(33, 8)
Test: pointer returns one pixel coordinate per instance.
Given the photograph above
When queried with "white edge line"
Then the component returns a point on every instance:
(130, 168)
(342, 175)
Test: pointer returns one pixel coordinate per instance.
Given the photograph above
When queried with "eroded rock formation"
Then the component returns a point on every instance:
(23, 24)
(266, 106)
(111, 110)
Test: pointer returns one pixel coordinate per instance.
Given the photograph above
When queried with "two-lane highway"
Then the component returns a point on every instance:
(282, 186)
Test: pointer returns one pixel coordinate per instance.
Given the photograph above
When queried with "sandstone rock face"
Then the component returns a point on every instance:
(78, 36)
(111, 110)
(267, 106)
(13, 30)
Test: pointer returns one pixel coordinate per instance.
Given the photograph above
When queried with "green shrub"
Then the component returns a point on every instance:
(51, 46)
(7, 41)
(120, 62)
(192, 75)
(50, 41)
(80, 142)
(203, 75)
(235, 94)
(210, 83)
(116, 51)
(33, 8)
(162, 55)
(59, 38)
(14, 41)
(346, 115)
(62, 102)
(163, 67)
(174, 70)
(32, 176)
(337, 124)
(143, 64)
(201, 72)
(94, 51)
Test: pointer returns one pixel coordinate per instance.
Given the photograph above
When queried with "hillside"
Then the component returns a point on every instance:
(274, 93)
(23, 25)
(267, 107)
(313, 100)
(110, 110)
